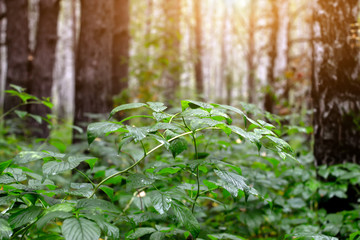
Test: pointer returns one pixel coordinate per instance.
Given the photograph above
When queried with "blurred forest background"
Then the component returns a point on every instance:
(285, 56)
(224, 51)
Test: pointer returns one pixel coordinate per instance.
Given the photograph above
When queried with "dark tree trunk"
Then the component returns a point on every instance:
(121, 41)
(251, 52)
(336, 85)
(269, 95)
(44, 59)
(17, 40)
(94, 60)
(172, 11)
(198, 45)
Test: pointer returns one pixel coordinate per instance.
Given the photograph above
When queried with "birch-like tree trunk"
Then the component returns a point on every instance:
(272, 54)
(172, 11)
(199, 78)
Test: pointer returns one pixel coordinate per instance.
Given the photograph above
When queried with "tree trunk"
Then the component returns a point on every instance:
(251, 52)
(287, 55)
(2, 80)
(121, 44)
(172, 11)
(17, 40)
(269, 95)
(198, 43)
(44, 59)
(94, 60)
(336, 86)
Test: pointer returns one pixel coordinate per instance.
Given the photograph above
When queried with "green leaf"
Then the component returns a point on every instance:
(224, 236)
(56, 167)
(39, 184)
(169, 170)
(7, 200)
(47, 103)
(91, 162)
(108, 228)
(37, 118)
(97, 204)
(51, 216)
(137, 133)
(205, 122)
(200, 113)
(17, 88)
(164, 126)
(306, 236)
(80, 229)
(6, 179)
(4, 165)
(184, 215)
(30, 156)
(354, 235)
(157, 106)
(296, 203)
(194, 104)
(100, 129)
(234, 182)
(161, 201)
(250, 136)
(157, 236)
(63, 207)
(139, 232)
(108, 191)
(218, 115)
(160, 116)
(233, 109)
(126, 107)
(178, 145)
(24, 216)
(210, 185)
(5, 229)
(20, 114)
(277, 144)
(138, 180)
(50, 237)
(16, 173)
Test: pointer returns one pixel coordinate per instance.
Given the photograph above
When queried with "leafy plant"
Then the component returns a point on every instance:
(161, 176)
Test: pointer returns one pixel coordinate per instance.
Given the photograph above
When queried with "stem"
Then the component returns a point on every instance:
(208, 142)
(137, 116)
(132, 199)
(143, 147)
(12, 109)
(135, 164)
(128, 154)
(173, 117)
(148, 153)
(85, 176)
(197, 175)
(17, 106)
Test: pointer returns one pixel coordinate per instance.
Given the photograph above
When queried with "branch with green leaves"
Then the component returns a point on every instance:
(145, 155)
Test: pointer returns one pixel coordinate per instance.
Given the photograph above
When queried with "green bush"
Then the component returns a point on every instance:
(204, 171)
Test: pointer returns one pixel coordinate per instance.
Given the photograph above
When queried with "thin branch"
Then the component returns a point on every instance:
(148, 153)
